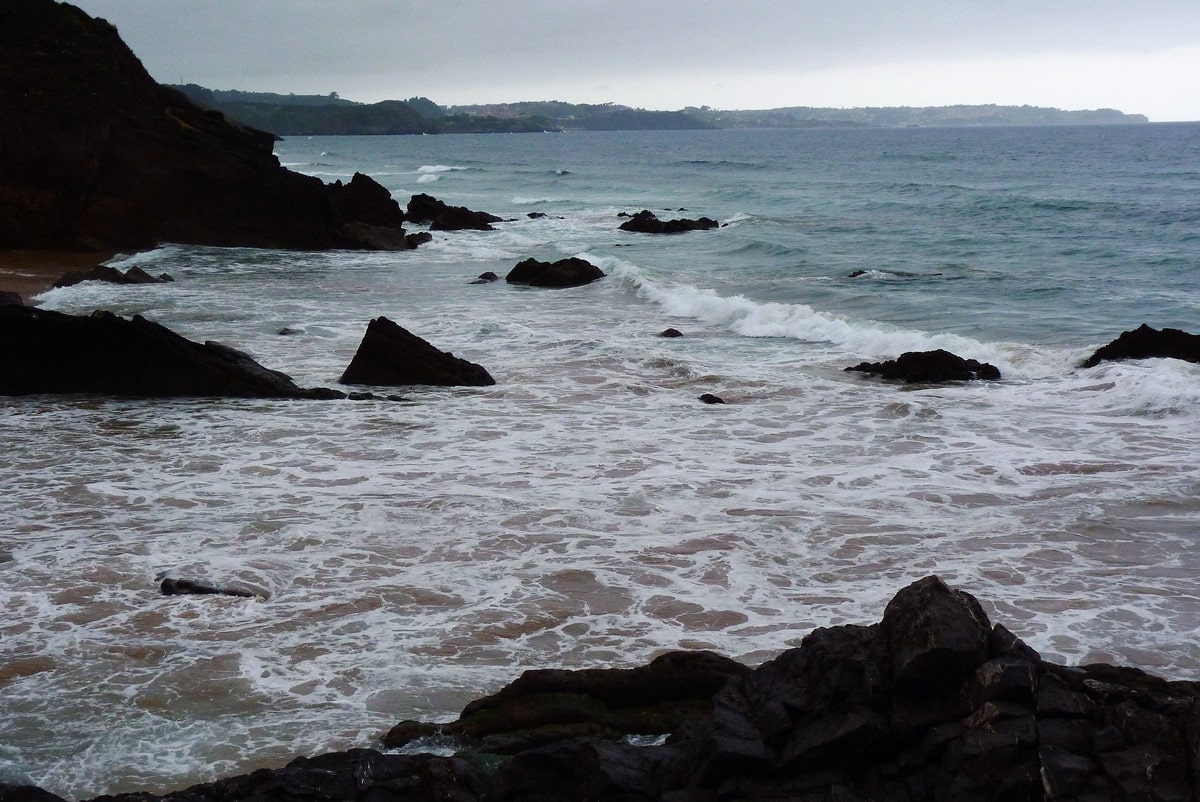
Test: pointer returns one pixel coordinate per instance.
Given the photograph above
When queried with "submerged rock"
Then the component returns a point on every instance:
(709, 398)
(390, 355)
(1146, 343)
(188, 587)
(42, 351)
(929, 366)
(670, 333)
(11, 299)
(571, 272)
(486, 278)
(111, 275)
(646, 222)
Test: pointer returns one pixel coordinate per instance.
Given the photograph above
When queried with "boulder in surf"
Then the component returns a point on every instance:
(646, 222)
(929, 367)
(1145, 342)
(570, 272)
(390, 355)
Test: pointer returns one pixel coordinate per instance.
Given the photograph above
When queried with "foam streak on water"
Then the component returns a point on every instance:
(585, 511)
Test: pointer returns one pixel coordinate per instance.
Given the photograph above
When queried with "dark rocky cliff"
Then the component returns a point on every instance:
(94, 154)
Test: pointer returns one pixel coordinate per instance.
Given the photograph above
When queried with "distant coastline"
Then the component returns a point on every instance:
(314, 115)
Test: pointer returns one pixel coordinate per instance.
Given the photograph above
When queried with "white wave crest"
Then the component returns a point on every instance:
(521, 200)
(1146, 386)
(428, 178)
(749, 318)
(438, 168)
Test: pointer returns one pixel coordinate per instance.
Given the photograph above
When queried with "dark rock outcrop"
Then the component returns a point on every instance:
(50, 352)
(544, 706)
(11, 299)
(111, 275)
(96, 155)
(1147, 343)
(188, 587)
(424, 208)
(929, 367)
(570, 272)
(932, 703)
(486, 278)
(389, 355)
(670, 333)
(709, 398)
(646, 222)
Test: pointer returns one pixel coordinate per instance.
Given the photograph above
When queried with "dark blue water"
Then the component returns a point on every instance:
(1051, 235)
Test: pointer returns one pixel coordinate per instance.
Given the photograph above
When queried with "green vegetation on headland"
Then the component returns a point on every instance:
(310, 115)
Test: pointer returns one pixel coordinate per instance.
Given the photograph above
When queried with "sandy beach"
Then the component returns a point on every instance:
(28, 273)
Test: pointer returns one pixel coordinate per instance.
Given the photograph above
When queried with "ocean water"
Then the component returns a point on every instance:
(588, 510)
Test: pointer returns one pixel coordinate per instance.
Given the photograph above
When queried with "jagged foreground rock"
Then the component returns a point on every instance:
(42, 351)
(932, 703)
(96, 156)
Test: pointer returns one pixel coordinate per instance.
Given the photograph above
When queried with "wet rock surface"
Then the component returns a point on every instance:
(646, 222)
(111, 275)
(390, 355)
(424, 208)
(42, 351)
(1145, 342)
(570, 272)
(929, 367)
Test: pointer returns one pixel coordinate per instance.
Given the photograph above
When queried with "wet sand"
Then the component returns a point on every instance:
(29, 273)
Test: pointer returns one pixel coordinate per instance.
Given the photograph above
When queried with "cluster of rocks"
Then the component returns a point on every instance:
(42, 351)
(440, 216)
(929, 367)
(646, 222)
(110, 275)
(934, 702)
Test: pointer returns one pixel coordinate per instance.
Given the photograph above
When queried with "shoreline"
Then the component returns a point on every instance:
(29, 273)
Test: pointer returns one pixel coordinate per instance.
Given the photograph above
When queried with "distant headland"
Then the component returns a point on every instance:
(312, 115)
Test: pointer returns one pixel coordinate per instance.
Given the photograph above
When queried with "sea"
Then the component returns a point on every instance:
(588, 510)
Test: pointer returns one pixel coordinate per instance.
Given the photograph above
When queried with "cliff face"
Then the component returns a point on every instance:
(95, 154)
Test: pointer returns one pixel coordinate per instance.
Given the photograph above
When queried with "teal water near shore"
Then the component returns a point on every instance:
(588, 510)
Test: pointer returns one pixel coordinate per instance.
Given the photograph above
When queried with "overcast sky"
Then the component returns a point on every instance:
(1139, 56)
